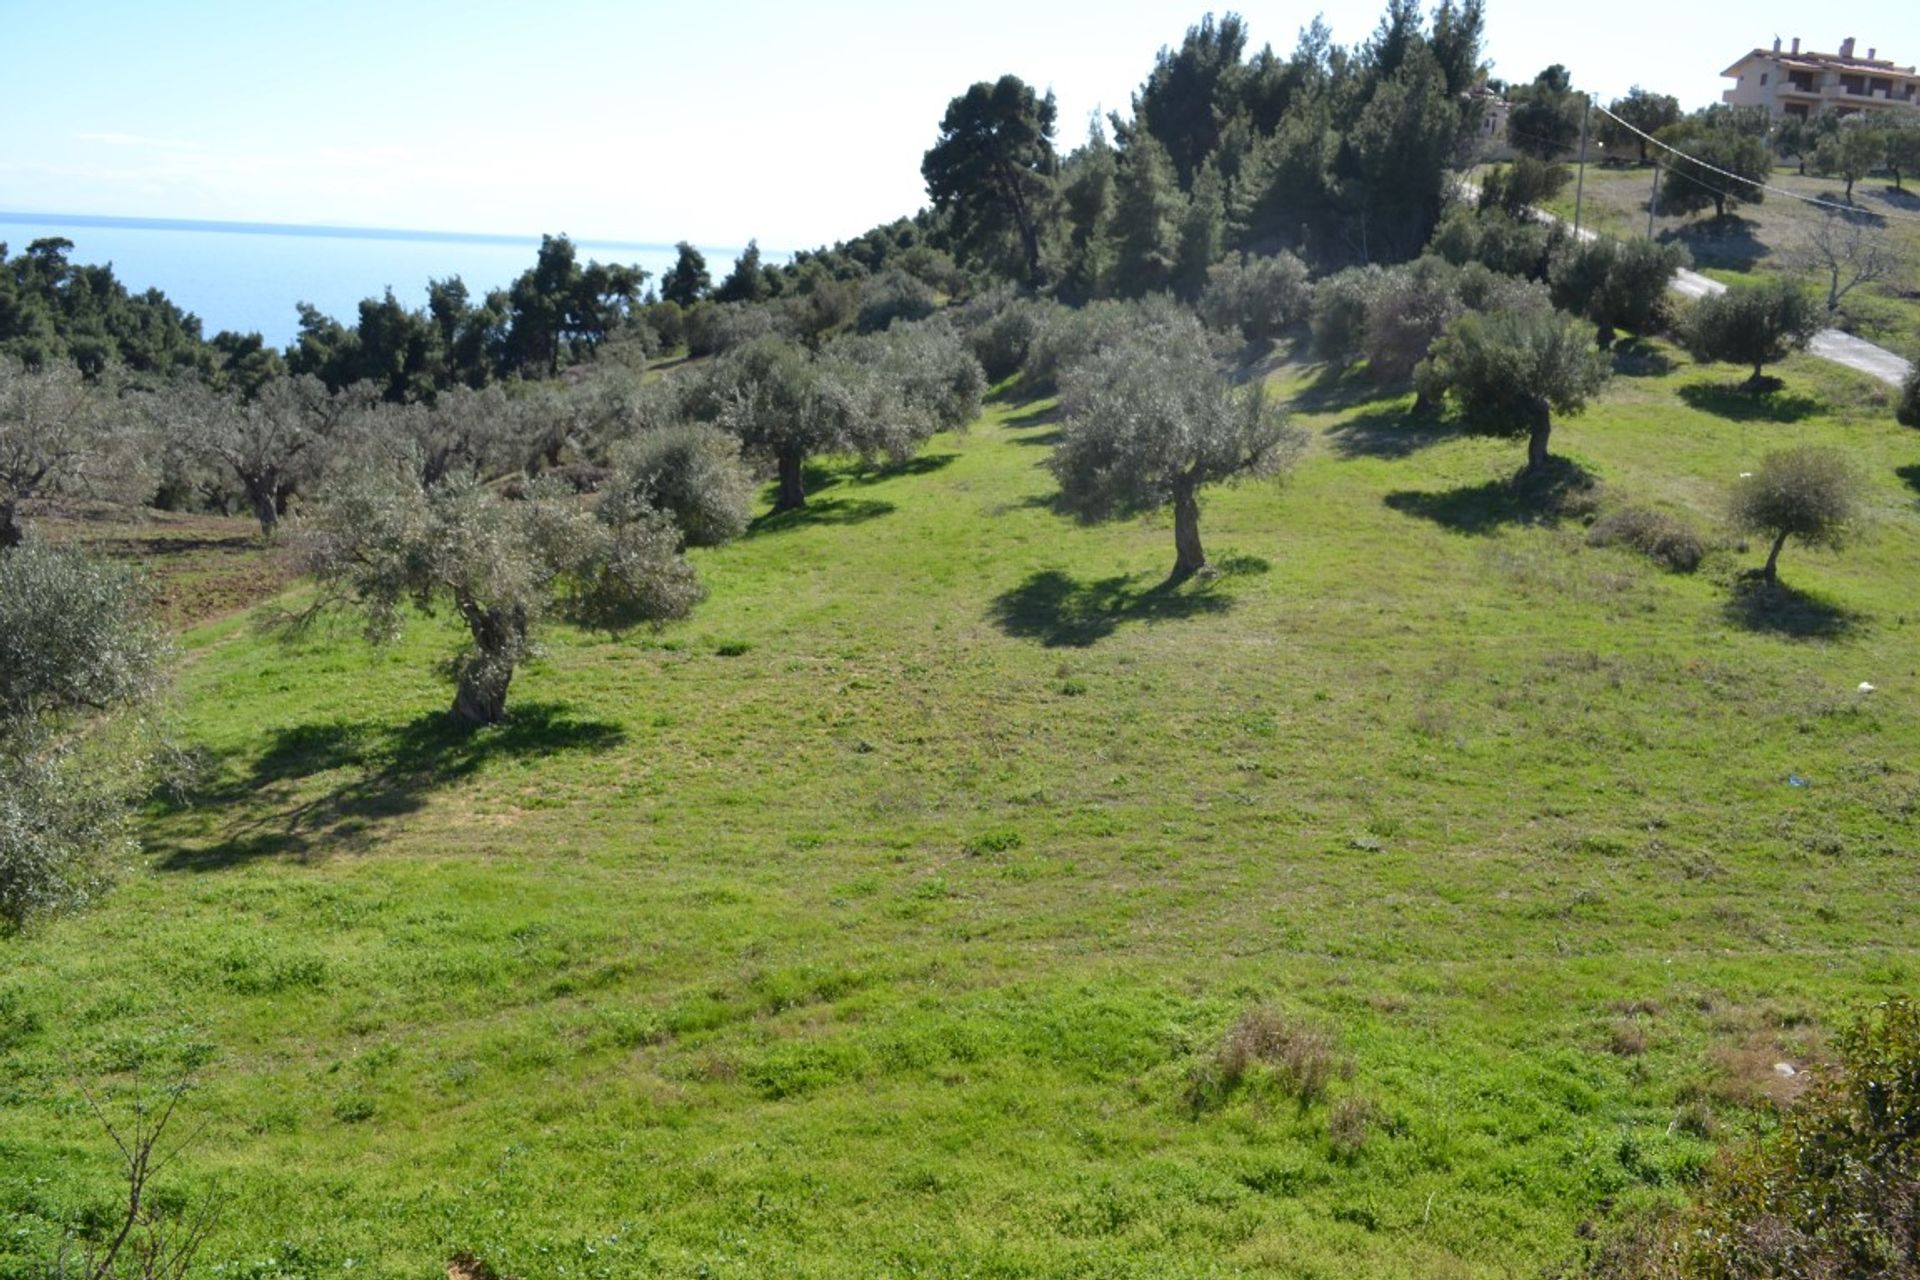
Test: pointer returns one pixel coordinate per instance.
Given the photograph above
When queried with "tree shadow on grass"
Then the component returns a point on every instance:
(1385, 433)
(1778, 609)
(1735, 402)
(1731, 243)
(821, 511)
(1638, 358)
(1037, 416)
(924, 464)
(1061, 611)
(1565, 490)
(1911, 474)
(1049, 418)
(1334, 390)
(391, 772)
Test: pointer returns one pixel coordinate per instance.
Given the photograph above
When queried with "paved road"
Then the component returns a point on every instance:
(1829, 344)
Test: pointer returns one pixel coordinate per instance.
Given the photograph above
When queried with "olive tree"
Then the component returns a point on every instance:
(76, 647)
(1907, 412)
(462, 430)
(1407, 312)
(690, 471)
(381, 542)
(1751, 325)
(769, 394)
(1340, 305)
(927, 368)
(1617, 284)
(1256, 296)
(1809, 493)
(57, 431)
(1843, 251)
(1150, 422)
(274, 444)
(1511, 371)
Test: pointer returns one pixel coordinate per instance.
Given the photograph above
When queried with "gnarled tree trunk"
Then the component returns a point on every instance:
(1189, 557)
(10, 535)
(499, 639)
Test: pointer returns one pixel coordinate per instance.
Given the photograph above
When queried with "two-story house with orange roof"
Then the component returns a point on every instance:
(1789, 82)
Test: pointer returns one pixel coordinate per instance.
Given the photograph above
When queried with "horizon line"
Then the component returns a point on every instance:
(330, 230)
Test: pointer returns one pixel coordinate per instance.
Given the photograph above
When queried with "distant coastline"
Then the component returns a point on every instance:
(16, 218)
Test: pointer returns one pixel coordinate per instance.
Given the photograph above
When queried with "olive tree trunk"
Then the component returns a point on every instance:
(793, 491)
(1769, 571)
(499, 639)
(10, 535)
(1538, 434)
(1189, 556)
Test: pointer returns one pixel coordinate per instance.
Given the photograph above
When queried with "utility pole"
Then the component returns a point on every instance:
(1653, 198)
(1580, 188)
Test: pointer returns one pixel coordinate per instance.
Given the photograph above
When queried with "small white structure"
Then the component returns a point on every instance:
(1792, 83)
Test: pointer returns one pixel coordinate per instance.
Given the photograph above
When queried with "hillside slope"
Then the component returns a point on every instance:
(887, 918)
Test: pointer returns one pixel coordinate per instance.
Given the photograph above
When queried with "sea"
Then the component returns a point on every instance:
(249, 277)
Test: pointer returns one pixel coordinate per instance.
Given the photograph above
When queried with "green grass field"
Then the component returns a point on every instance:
(1759, 240)
(886, 918)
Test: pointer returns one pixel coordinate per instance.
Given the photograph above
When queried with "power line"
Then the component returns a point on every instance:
(1815, 201)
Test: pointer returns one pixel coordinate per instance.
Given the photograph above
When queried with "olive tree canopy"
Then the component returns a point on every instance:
(1150, 421)
(1809, 493)
(76, 646)
(383, 543)
(1511, 371)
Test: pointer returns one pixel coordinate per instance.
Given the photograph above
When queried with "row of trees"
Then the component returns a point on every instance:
(1338, 154)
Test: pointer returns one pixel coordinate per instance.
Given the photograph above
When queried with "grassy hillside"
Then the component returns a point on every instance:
(1760, 240)
(888, 917)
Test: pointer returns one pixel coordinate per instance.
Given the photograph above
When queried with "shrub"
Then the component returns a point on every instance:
(1348, 1123)
(1304, 1060)
(891, 296)
(1809, 493)
(1508, 244)
(693, 473)
(1836, 1192)
(1340, 314)
(715, 328)
(1256, 296)
(999, 327)
(1616, 284)
(1908, 410)
(1654, 534)
(74, 643)
(1515, 188)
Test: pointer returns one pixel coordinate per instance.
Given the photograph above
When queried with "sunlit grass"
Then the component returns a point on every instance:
(886, 917)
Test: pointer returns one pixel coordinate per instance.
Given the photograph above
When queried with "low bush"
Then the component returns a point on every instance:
(1835, 1192)
(1340, 305)
(1660, 537)
(1908, 411)
(891, 296)
(1302, 1060)
(1256, 297)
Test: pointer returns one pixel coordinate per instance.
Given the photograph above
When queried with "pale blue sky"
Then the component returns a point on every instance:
(796, 123)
